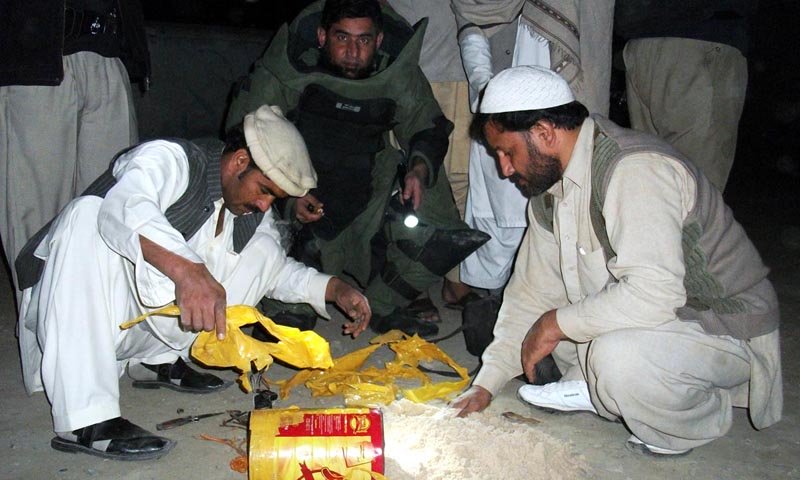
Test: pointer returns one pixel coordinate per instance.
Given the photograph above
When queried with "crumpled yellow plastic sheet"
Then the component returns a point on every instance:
(302, 349)
(371, 386)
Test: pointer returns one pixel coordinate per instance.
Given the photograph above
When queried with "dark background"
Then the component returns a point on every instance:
(766, 174)
(266, 14)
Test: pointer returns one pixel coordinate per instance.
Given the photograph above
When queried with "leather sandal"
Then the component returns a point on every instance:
(463, 301)
(115, 439)
(424, 310)
(176, 376)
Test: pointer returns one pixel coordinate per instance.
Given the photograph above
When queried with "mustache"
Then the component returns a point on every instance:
(517, 178)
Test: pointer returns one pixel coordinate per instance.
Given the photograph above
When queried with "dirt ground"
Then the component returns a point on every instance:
(744, 453)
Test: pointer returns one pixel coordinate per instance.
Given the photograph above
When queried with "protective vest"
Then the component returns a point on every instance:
(343, 135)
(186, 215)
(722, 266)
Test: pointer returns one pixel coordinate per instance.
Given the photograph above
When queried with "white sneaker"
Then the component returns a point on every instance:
(635, 445)
(568, 396)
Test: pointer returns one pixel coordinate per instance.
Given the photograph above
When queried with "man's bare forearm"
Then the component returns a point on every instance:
(201, 298)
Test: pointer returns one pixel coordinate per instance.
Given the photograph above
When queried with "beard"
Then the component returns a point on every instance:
(542, 172)
(352, 72)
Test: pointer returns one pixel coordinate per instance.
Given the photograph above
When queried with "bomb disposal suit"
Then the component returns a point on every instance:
(358, 132)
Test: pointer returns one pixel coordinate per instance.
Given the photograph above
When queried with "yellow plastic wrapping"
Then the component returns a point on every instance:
(302, 349)
(373, 386)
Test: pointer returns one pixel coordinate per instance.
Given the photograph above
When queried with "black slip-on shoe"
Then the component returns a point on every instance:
(404, 321)
(287, 319)
(115, 439)
(177, 376)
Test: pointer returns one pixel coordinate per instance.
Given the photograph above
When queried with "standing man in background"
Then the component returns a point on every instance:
(686, 75)
(65, 103)
(571, 38)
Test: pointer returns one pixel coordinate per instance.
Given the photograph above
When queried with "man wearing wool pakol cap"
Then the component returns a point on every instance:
(170, 221)
(633, 273)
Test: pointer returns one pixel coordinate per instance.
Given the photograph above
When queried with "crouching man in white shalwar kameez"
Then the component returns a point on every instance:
(110, 259)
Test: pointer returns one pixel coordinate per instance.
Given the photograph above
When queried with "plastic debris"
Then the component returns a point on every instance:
(302, 349)
(371, 386)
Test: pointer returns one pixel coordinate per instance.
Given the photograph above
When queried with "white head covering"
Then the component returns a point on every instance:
(279, 150)
(525, 88)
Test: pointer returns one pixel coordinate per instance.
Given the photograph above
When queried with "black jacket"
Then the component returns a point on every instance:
(32, 41)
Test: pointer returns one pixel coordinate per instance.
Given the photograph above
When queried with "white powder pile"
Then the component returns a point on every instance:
(427, 442)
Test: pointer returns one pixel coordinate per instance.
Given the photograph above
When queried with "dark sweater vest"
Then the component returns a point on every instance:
(186, 215)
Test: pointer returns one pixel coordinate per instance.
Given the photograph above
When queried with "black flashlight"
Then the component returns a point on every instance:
(406, 211)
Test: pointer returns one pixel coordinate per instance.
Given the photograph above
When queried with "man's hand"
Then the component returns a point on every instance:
(415, 181)
(352, 303)
(308, 209)
(541, 340)
(474, 399)
(201, 298)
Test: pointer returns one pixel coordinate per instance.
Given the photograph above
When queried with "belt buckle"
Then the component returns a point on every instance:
(95, 27)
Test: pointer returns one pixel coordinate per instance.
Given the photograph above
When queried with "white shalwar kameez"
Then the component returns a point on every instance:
(95, 278)
(494, 204)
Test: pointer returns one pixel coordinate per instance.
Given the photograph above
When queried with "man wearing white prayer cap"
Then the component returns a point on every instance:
(170, 221)
(633, 273)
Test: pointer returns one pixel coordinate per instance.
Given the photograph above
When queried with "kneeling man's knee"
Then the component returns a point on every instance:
(618, 370)
(616, 357)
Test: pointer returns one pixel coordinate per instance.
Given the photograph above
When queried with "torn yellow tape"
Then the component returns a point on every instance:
(372, 386)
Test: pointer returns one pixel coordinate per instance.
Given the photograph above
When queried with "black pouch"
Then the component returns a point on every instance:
(477, 322)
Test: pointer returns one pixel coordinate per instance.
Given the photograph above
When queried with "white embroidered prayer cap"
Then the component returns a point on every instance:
(525, 88)
(279, 150)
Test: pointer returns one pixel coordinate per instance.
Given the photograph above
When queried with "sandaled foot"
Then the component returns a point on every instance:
(424, 310)
(115, 439)
(454, 293)
(463, 301)
(176, 376)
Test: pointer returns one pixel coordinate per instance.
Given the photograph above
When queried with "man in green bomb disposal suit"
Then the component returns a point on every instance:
(347, 74)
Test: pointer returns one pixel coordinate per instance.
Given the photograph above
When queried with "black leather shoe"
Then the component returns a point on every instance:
(404, 321)
(127, 441)
(177, 376)
(287, 319)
